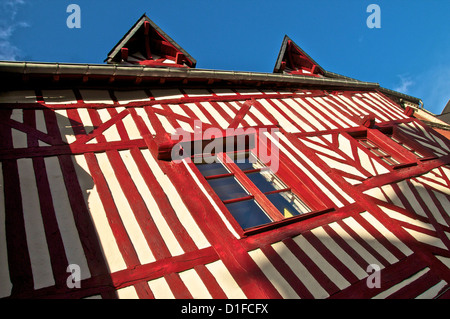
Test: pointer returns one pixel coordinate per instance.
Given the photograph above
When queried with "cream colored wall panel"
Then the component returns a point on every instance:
(403, 218)
(291, 116)
(195, 284)
(284, 122)
(165, 94)
(277, 280)
(321, 262)
(34, 226)
(300, 271)
(107, 240)
(59, 97)
(406, 191)
(143, 114)
(126, 213)
(19, 138)
(5, 281)
(96, 96)
(225, 280)
(127, 293)
(215, 114)
(160, 289)
(368, 257)
(131, 128)
(402, 284)
(331, 244)
(202, 117)
(65, 127)
(64, 216)
(433, 291)
(426, 239)
(386, 233)
(177, 203)
(154, 211)
(26, 96)
(372, 241)
(125, 97)
(17, 115)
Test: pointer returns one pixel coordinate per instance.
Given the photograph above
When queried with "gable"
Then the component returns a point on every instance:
(146, 44)
(293, 60)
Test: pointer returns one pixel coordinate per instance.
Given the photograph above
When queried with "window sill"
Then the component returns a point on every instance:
(284, 222)
(429, 158)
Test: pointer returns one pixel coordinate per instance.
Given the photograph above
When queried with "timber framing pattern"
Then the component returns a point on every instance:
(83, 183)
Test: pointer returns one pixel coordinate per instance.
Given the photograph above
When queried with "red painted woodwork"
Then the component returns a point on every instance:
(363, 210)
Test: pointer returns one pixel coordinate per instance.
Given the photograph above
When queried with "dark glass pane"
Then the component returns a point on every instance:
(288, 204)
(227, 188)
(248, 213)
(245, 161)
(215, 168)
(266, 181)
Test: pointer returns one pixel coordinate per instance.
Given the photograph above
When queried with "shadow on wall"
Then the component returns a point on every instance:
(52, 244)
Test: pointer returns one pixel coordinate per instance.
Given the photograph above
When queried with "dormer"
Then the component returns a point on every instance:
(293, 60)
(146, 44)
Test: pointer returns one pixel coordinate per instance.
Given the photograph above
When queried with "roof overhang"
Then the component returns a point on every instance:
(15, 74)
(11, 72)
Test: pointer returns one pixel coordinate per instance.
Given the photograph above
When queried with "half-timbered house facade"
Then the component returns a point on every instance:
(353, 203)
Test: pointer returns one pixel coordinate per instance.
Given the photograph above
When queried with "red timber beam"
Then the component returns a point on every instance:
(235, 257)
(405, 173)
(366, 203)
(152, 101)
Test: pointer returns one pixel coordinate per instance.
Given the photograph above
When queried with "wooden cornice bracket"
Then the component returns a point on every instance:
(409, 111)
(366, 120)
(124, 54)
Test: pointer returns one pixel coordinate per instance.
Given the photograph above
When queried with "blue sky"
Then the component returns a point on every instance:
(410, 53)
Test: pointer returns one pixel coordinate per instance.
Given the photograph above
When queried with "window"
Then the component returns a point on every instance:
(392, 146)
(406, 146)
(252, 193)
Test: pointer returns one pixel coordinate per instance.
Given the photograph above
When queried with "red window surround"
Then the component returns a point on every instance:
(392, 146)
(293, 185)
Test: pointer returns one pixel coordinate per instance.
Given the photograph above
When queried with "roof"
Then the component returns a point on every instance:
(291, 56)
(92, 75)
(445, 115)
(148, 41)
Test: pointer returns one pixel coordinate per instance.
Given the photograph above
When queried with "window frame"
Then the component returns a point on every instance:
(316, 201)
(381, 137)
(405, 139)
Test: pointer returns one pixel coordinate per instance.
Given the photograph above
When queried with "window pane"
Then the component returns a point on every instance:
(380, 151)
(246, 161)
(212, 169)
(248, 213)
(417, 154)
(266, 181)
(390, 160)
(394, 139)
(366, 143)
(288, 204)
(227, 188)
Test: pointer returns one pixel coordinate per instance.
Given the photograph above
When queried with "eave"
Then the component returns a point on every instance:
(45, 74)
